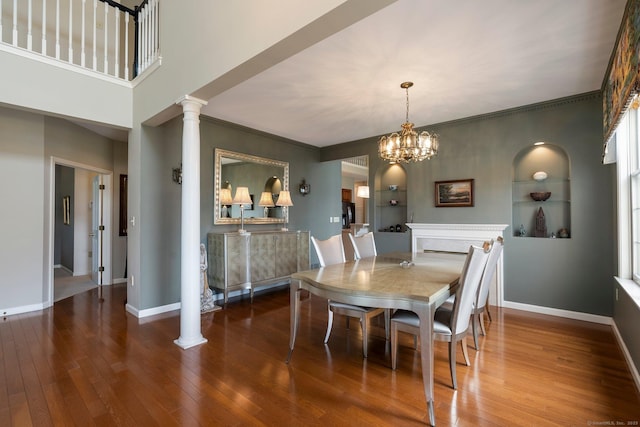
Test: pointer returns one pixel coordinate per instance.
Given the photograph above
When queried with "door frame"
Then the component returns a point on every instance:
(107, 216)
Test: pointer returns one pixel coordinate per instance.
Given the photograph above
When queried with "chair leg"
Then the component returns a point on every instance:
(474, 328)
(364, 320)
(394, 346)
(387, 321)
(329, 326)
(348, 322)
(465, 352)
(481, 318)
(452, 364)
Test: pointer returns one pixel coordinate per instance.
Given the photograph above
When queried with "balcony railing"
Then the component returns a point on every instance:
(98, 35)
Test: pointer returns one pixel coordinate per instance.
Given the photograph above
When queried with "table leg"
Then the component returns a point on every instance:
(294, 303)
(426, 356)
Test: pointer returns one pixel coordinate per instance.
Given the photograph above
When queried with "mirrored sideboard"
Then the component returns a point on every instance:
(251, 260)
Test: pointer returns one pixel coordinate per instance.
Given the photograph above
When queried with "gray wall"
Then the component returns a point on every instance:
(573, 274)
(27, 142)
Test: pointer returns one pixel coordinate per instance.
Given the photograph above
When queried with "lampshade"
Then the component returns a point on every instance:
(363, 191)
(225, 196)
(408, 145)
(242, 196)
(266, 199)
(284, 199)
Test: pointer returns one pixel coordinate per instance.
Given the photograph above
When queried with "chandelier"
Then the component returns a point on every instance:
(408, 146)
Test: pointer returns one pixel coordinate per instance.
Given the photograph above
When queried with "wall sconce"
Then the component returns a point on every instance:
(304, 188)
(284, 200)
(177, 175)
(266, 201)
(243, 199)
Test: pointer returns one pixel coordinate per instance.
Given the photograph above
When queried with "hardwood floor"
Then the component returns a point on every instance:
(86, 363)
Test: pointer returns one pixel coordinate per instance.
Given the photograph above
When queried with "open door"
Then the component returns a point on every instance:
(97, 230)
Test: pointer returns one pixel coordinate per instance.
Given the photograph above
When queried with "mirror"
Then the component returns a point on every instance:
(264, 178)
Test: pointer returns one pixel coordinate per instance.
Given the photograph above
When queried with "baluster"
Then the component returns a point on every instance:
(82, 48)
(143, 38)
(57, 29)
(29, 27)
(95, 25)
(126, 46)
(156, 21)
(117, 34)
(106, 40)
(1, 38)
(71, 32)
(15, 22)
(44, 27)
(152, 33)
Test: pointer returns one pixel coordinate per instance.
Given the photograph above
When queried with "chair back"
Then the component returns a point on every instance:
(489, 272)
(329, 251)
(468, 287)
(364, 246)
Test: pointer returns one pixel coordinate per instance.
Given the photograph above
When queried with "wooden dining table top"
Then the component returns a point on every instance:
(422, 276)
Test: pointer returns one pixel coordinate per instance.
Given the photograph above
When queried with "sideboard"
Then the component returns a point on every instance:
(240, 261)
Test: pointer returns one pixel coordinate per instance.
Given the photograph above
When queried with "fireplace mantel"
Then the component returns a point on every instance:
(458, 238)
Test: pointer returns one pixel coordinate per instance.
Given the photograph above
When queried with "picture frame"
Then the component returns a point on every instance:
(66, 210)
(455, 193)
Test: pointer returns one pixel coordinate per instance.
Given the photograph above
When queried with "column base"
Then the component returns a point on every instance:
(185, 344)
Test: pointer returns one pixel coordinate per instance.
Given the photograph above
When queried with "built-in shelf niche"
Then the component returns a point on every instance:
(391, 185)
(552, 160)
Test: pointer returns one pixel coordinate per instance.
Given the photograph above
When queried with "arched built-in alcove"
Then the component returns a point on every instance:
(551, 167)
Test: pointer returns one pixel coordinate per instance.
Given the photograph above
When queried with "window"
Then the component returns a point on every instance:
(627, 141)
(633, 150)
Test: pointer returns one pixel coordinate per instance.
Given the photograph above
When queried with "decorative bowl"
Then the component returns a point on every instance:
(393, 187)
(540, 176)
(540, 196)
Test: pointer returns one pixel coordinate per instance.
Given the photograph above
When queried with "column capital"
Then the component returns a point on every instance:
(191, 100)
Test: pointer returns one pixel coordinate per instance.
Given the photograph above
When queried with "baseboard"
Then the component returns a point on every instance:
(120, 280)
(22, 309)
(152, 311)
(587, 317)
(627, 356)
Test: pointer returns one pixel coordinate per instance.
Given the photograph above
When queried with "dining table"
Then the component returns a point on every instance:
(416, 281)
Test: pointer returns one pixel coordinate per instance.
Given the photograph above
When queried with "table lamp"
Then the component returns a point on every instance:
(363, 192)
(225, 201)
(266, 201)
(243, 199)
(284, 200)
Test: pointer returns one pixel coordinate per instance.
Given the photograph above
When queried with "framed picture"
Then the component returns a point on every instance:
(66, 210)
(454, 193)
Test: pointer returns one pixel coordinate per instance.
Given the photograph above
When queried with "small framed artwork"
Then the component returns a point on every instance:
(454, 193)
(66, 210)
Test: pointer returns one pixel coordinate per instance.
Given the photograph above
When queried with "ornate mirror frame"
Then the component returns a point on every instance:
(217, 184)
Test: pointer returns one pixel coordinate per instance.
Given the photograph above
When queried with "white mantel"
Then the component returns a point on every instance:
(458, 238)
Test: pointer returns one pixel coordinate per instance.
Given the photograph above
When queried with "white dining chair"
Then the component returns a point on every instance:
(480, 305)
(364, 245)
(451, 326)
(331, 251)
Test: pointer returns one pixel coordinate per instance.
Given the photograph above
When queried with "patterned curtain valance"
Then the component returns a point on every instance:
(622, 82)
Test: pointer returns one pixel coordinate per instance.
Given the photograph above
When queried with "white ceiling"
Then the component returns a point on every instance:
(465, 57)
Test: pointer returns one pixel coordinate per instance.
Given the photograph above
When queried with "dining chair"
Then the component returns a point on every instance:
(451, 326)
(364, 246)
(331, 251)
(480, 305)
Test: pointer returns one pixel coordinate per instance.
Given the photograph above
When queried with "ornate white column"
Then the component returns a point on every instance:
(190, 332)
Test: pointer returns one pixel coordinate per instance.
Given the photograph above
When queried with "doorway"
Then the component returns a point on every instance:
(81, 233)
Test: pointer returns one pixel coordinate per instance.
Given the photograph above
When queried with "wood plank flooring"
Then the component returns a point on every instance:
(85, 363)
